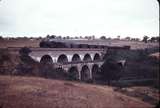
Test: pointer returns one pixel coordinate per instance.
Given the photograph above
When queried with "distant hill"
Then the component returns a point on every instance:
(32, 92)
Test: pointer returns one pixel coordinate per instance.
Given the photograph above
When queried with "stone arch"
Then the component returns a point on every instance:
(85, 73)
(87, 57)
(46, 59)
(76, 58)
(97, 57)
(62, 59)
(95, 71)
(73, 73)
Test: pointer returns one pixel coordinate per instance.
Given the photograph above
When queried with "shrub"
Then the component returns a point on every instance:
(24, 51)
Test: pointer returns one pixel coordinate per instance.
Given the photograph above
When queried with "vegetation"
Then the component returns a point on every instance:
(5, 62)
(155, 39)
(24, 51)
(103, 37)
(139, 69)
(111, 69)
(48, 71)
(26, 64)
(1, 37)
(145, 39)
(4, 56)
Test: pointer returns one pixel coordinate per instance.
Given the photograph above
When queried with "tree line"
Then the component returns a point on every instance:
(92, 37)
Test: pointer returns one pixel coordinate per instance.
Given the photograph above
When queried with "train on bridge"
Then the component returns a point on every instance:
(60, 44)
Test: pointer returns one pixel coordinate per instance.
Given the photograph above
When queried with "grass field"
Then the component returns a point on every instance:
(32, 92)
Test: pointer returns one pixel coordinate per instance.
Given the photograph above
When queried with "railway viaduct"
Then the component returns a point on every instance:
(84, 63)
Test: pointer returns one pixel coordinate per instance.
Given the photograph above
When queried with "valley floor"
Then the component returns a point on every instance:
(34, 92)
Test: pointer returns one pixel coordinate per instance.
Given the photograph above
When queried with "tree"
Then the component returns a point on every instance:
(134, 39)
(4, 56)
(89, 37)
(80, 37)
(93, 37)
(64, 37)
(68, 37)
(26, 64)
(86, 37)
(118, 37)
(48, 36)
(1, 37)
(128, 38)
(153, 39)
(76, 37)
(137, 39)
(145, 39)
(158, 39)
(24, 51)
(59, 37)
(52, 36)
(111, 69)
(103, 37)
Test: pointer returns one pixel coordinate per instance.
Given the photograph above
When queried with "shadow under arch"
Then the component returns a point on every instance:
(87, 57)
(62, 59)
(76, 58)
(73, 73)
(85, 73)
(95, 72)
(46, 59)
(97, 57)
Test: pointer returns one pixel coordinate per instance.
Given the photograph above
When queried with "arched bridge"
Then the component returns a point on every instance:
(83, 63)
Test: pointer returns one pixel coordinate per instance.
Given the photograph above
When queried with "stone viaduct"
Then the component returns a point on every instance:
(84, 63)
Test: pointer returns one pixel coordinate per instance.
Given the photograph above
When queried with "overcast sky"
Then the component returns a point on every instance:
(134, 18)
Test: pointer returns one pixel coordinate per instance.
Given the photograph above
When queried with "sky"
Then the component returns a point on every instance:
(134, 18)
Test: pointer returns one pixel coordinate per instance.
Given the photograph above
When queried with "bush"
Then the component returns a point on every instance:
(5, 62)
(4, 55)
(111, 70)
(48, 71)
(24, 51)
(23, 69)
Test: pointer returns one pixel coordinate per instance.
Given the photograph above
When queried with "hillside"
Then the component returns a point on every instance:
(32, 92)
